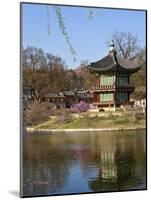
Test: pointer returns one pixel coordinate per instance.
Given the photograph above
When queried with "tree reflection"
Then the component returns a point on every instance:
(46, 168)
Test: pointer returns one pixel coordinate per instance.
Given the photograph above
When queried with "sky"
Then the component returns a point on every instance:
(88, 37)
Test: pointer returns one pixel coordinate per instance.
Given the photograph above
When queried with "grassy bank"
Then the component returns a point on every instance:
(85, 121)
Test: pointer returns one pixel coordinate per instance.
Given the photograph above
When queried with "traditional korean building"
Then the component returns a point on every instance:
(112, 87)
(66, 99)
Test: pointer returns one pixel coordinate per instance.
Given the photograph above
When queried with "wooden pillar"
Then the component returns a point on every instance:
(95, 97)
(128, 94)
(98, 97)
(128, 76)
(114, 97)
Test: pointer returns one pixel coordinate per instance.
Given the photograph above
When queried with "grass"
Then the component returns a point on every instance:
(111, 121)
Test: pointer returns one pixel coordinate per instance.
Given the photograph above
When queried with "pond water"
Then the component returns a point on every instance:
(65, 163)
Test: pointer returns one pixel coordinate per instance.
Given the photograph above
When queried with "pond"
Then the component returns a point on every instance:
(65, 163)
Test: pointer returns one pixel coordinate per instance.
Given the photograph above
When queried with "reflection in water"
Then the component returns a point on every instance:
(83, 162)
(44, 166)
(115, 170)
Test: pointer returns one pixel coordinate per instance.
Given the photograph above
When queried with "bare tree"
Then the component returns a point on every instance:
(33, 58)
(126, 44)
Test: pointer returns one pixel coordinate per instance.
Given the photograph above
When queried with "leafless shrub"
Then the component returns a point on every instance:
(37, 113)
(64, 116)
(138, 115)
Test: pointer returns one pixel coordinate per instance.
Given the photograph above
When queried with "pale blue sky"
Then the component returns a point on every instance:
(87, 36)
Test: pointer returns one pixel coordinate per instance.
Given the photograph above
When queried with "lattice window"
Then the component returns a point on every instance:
(106, 80)
(106, 97)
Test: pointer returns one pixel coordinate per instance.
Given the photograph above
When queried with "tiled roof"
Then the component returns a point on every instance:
(113, 62)
(85, 96)
(68, 93)
(48, 95)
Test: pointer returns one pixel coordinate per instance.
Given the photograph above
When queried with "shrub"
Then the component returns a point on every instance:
(101, 110)
(62, 110)
(81, 107)
(120, 109)
(37, 113)
(121, 120)
(138, 115)
(63, 117)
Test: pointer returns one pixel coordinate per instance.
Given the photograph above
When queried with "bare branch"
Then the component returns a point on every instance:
(126, 44)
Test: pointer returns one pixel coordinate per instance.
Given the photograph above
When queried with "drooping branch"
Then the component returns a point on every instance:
(90, 14)
(64, 32)
(48, 20)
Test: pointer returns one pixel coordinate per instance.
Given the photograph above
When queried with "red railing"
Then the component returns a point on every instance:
(128, 86)
(112, 87)
(103, 87)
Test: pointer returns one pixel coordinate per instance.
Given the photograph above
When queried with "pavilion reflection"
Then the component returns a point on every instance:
(118, 166)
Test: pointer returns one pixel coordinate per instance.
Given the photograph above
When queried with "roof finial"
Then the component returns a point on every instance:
(112, 50)
(112, 46)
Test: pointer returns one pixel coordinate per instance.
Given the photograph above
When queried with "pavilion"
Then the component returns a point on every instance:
(112, 87)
